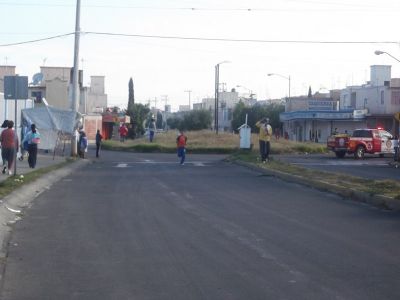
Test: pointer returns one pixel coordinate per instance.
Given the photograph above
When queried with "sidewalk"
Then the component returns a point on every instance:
(43, 160)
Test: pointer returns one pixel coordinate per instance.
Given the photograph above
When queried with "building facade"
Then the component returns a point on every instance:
(367, 106)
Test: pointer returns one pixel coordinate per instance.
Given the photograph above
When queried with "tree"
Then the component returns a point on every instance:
(159, 123)
(255, 113)
(138, 114)
(309, 92)
(131, 96)
(193, 120)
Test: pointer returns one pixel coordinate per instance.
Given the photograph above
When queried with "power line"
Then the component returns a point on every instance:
(37, 40)
(239, 40)
(343, 7)
(201, 39)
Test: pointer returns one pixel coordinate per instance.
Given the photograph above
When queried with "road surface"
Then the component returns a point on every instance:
(136, 226)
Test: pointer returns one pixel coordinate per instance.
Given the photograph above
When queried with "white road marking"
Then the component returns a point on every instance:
(150, 162)
(122, 165)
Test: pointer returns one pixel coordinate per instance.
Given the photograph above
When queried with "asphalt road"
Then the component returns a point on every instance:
(134, 226)
(372, 167)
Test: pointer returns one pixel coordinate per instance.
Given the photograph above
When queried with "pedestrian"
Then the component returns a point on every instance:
(264, 138)
(123, 133)
(3, 127)
(9, 146)
(99, 138)
(181, 145)
(83, 144)
(33, 140)
(152, 129)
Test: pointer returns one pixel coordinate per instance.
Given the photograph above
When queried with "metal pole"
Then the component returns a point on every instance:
(75, 79)
(216, 96)
(289, 86)
(15, 125)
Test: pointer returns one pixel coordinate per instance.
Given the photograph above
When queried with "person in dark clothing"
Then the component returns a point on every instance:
(33, 139)
(99, 138)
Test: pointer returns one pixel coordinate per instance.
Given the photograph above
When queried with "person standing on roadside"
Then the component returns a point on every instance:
(264, 138)
(33, 140)
(181, 144)
(123, 133)
(152, 129)
(9, 146)
(99, 138)
(83, 144)
(4, 126)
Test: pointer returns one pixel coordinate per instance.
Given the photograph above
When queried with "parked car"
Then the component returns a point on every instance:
(362, 141)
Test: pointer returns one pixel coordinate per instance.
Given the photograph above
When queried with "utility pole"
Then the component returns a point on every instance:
(75, 75)
(166, 112)
(188, 91)
(216, 98)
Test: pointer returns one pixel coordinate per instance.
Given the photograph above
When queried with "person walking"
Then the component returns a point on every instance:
(181, 144)
(9, 146)
(33, 140)
(83, 144)
(4, 126)
(123, 133)
(152, 129)
(99, 138)
(264, 138)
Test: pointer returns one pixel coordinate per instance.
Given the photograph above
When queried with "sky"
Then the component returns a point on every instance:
(323, 44)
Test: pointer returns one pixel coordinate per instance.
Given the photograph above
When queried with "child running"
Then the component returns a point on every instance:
(181, 144)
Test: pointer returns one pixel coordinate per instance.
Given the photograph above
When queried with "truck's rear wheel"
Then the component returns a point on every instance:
(340, 154)
(360, 151)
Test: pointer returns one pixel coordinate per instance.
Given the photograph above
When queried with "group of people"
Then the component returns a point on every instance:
(83, 143)
(10, 145)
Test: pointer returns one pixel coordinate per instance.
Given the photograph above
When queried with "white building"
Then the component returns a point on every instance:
(368, 106)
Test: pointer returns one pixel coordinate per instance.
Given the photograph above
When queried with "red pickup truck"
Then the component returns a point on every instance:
(372, 141)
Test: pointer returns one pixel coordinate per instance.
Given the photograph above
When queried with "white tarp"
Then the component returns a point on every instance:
(52, 123)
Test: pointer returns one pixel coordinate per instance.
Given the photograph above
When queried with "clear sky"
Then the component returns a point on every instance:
(163, 66)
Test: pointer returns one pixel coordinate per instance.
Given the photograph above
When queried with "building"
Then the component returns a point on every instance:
(96, 97)
(367, 106)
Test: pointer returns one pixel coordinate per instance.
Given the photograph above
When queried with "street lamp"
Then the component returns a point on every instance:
(217, 93)
(379, 52)
(250, 91)
(285, 77)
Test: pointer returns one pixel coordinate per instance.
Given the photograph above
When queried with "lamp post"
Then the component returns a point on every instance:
(217, 94)
(250, 91)
(379, 52)
(285, 77)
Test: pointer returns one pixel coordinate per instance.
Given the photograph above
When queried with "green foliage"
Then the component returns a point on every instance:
(159, 122)
(138, 113)
(255, 113)
(193, 120)
(131, 96)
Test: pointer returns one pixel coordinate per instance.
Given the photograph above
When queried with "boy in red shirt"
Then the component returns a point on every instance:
(181, 144)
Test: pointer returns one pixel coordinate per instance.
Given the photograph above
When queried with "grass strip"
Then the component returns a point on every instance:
(386, 187)
(14, 182)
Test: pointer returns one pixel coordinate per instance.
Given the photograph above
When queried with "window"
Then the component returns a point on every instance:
(382, 97)
(395, 97)
(362, 133)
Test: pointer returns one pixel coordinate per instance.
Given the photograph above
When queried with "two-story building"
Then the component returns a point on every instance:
(371, 105)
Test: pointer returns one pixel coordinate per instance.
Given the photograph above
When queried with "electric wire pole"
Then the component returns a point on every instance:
(75, 75)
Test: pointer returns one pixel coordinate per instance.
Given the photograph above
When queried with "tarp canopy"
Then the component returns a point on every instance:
(51, 122)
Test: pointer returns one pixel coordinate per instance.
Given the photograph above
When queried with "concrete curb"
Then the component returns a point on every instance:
(375, 200)
(12, 206)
